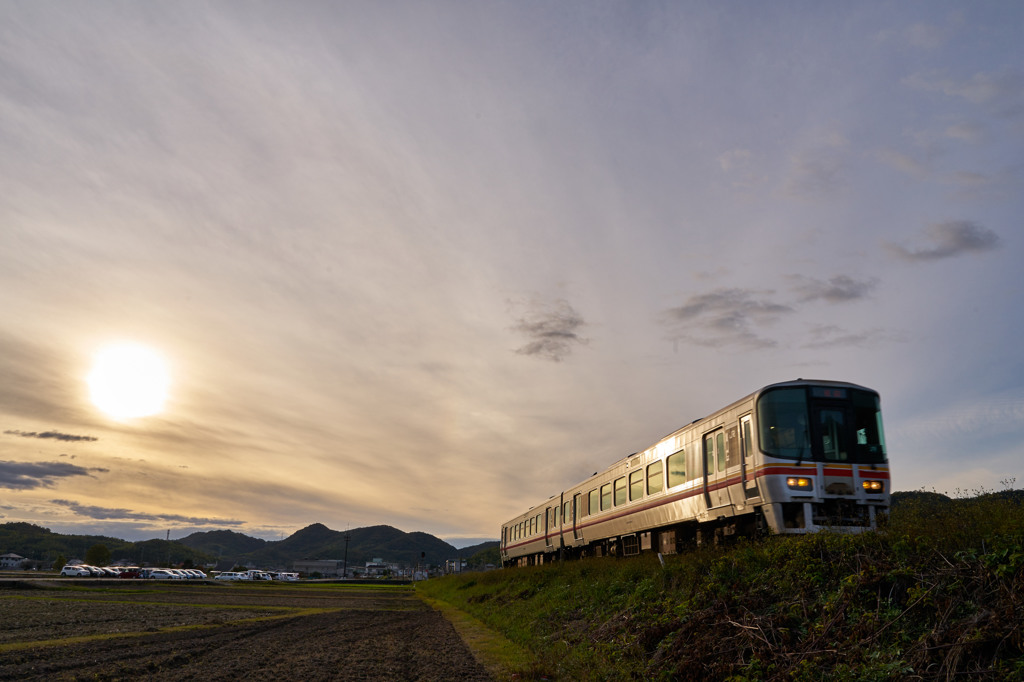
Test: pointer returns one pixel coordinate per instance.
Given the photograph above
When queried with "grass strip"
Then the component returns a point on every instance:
(500, 656)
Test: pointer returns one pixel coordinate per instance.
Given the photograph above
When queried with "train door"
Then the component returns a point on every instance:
(550, 523)
(734, 466)
(748, 466)
(577, 531)
(715, 492)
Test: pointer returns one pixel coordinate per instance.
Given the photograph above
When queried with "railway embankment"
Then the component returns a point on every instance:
(936, 593)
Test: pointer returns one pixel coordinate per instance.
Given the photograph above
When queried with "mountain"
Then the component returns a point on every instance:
(223, 543)
(316, 541)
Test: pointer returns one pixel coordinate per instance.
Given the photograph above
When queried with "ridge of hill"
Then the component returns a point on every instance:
(316, 541)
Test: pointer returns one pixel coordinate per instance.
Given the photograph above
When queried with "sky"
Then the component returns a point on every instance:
(428, 264)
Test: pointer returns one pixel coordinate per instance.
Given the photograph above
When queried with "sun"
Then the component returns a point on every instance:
(129, 380)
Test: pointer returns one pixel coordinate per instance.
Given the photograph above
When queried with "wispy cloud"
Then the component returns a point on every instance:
(31, 475)
(105, 513)
(552, 330)
(726, 316)
(948, 240)
(833, 336)
(838, 289)
(1001, 93)
(56, 435)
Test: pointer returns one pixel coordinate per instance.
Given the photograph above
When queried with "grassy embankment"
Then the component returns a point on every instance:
(937, 593)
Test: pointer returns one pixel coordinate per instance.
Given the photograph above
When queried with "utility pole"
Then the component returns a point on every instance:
(344, 569)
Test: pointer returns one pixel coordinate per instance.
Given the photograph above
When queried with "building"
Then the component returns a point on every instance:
(328, 568)
(11, 560)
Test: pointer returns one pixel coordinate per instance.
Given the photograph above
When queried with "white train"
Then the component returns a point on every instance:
(793, 457)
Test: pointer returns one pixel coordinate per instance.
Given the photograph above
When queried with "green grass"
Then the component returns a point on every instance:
(937, 592)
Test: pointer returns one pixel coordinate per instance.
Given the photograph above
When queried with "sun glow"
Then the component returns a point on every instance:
(129, 380)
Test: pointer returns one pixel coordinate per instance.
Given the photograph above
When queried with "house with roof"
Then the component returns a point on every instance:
(11, 560)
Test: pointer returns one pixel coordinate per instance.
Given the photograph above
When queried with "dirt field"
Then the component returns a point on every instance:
(208, 631)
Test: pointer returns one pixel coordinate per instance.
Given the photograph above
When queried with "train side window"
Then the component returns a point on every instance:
(732, 447)
(709, 453)
(748, 448)
(676, 469)
(567, 512)
(594, 505)
(620, 491)
(636, 485)
(720, 446)
(654, 477)
(606, 496)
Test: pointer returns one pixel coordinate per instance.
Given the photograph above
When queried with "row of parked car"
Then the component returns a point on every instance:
(86, 571)
(255, 575)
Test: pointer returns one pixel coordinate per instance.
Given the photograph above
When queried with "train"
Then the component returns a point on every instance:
(792, 457)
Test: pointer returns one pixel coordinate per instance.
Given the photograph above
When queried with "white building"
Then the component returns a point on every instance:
(11, 561)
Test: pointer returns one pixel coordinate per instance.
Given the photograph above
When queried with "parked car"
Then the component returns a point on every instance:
(130, 572)
(287, 576)
(231, 575)
(75, 572)
(163, 574)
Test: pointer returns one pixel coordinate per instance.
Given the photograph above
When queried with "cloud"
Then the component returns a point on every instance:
(104, 513)
(927, 36)
(726, 316)
(814, 173)
(1002, 93)
(832, 336)
(31, 475)
(51, 434)
(903, 162)
(838, 289)
(551, 329)
(967, 131)
(950, 239)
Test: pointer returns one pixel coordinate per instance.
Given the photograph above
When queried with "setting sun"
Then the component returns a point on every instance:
(129, 380)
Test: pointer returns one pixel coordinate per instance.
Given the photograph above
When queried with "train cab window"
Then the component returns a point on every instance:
(620, 491)
(594, 499)
(636, 485)
(676, 469)
(606, 496)
(654, 477)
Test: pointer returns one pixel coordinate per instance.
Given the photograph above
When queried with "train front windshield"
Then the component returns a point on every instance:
(822, 424)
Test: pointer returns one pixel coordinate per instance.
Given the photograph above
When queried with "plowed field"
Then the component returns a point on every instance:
(210, 631)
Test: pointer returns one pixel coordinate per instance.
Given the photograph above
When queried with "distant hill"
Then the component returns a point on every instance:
(316, 541)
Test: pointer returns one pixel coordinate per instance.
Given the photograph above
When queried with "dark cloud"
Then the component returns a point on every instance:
(551, 329)
(56, 435)
(948, 240)
(726, 316)
(31, 475)
(104, 513)
(838, 289)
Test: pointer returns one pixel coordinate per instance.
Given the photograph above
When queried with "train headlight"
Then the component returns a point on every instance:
(800, 483)
(872, 486)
